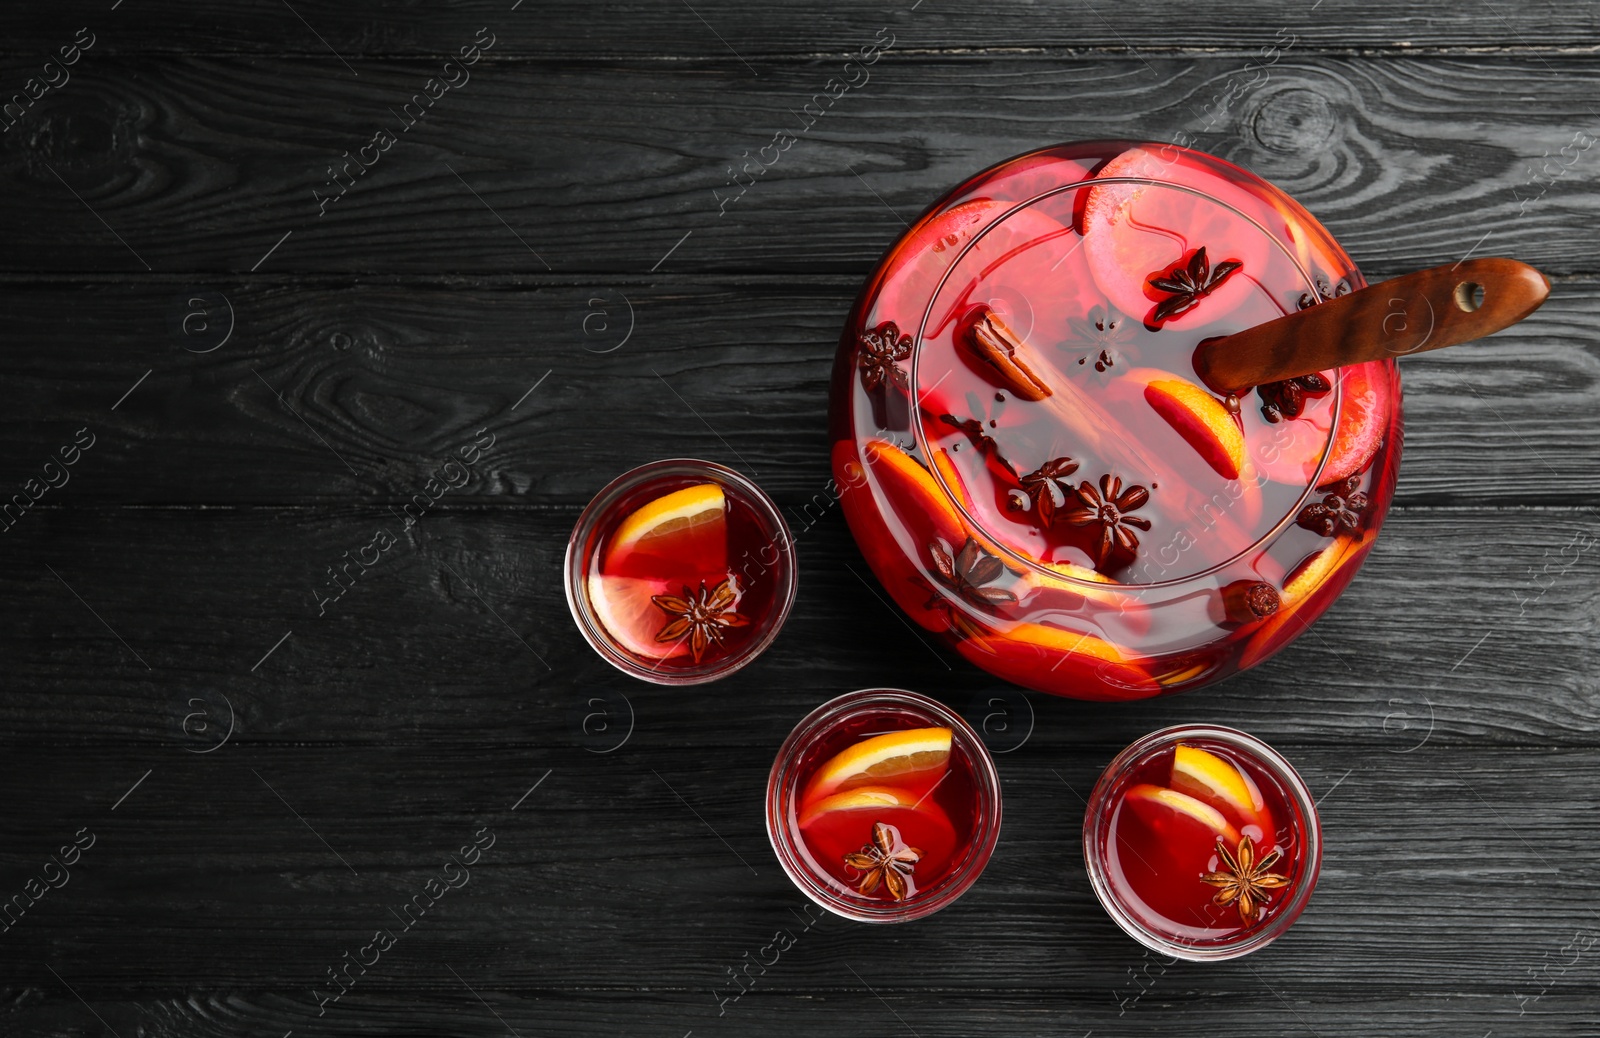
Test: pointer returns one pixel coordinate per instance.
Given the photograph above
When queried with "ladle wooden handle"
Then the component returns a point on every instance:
(1428, 310)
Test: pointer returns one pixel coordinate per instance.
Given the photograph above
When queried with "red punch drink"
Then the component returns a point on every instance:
(1030, 463)
(680, 572)
(1202, 842)
(883, 806)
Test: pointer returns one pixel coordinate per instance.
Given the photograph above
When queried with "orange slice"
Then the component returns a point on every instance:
(1178, 818)
(913, 760)
(1200, 419)
(624, 609)
(1299, 591)
(1060, 662)
(678, 536)
(841, 824)
(1207, 777)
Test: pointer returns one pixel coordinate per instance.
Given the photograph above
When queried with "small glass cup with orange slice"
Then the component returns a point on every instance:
(883, 806)
(680, 572)
(1202, 842)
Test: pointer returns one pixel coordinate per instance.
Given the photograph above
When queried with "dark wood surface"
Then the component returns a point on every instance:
(551, 226)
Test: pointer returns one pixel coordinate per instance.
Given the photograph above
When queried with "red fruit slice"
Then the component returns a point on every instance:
(1178, 820)
(1134, 232)
(1165, 842)
(1366, 402)
(842, 824)
(624, 608)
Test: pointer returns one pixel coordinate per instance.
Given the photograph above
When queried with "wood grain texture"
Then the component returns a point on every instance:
(203, 165)
(667, 899)
(390, 379)
(1474, 625)
(722, 30)
(483, 275)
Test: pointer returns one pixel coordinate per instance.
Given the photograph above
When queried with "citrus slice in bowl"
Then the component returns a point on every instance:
(842, 824)
(913, 761)
(624, 608)
(1207, 777)
(1366, 400)
(1179, 820)
(679, 536)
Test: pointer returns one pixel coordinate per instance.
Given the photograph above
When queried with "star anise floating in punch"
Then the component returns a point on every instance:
(1307, 300)
(969, 573)
(884, 863)
(1104, 332)
(1340, 510)
(1109, 507)
(1044, 490)
(700, 616)
(1286, 399)
(1191, 283)
(1244, 881)
(882, 348)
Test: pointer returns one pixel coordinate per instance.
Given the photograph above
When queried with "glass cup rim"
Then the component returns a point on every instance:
(575, 574)
(1273, 762)
(916, 354)
(981, 847)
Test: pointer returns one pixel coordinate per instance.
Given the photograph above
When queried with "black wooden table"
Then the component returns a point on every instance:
(268, 264)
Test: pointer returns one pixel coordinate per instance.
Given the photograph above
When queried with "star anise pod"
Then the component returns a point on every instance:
(1045, 489)
(1340, 510)
(970, 573)
(1190, 284)
(1244, 881)
(1104, 333)
(887, 862)
(1109, 507)
(881, 348)
(1307, 300)
(702, 616)
(1286, 399)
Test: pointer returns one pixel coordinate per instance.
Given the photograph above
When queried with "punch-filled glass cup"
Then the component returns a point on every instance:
(1033, 467)
(680, 572)
(1202, 842)
(883, 806)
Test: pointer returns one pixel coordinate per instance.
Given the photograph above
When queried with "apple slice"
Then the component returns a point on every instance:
(842, 824)
(1199, 418)
(1208, 777)
(913, 761)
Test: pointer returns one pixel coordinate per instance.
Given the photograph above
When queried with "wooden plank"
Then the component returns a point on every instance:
(1466, 628)
(1254, 1012)
(1440, 877)
(723, 30)
(382, 383)
(207, 165)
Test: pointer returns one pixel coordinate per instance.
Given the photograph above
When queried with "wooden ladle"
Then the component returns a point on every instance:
(1428, 310)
